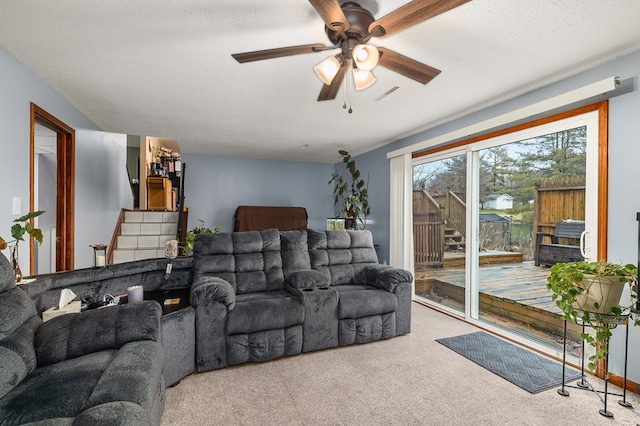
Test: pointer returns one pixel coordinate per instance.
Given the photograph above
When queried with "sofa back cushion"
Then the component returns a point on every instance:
(18, 323)
(250, 261)
(295, 251)
(341, 255)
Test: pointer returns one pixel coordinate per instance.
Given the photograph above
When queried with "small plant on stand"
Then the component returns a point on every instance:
(21, 226)
(588, 293)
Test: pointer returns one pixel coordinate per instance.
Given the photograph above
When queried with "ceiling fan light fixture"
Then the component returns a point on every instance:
(327, 69)
(362, 79)
(365, 56)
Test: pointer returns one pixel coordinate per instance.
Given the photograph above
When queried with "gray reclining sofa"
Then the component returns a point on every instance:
(97, 367)
(263, 295)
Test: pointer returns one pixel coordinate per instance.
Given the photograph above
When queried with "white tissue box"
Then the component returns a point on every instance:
(54, 311)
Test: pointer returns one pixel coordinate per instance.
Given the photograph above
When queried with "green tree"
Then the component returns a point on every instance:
(558, 154)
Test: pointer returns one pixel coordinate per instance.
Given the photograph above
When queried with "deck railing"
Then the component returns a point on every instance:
(428, 243)
(456, 212)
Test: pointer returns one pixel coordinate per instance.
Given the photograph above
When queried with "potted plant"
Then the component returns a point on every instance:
(354, 195)
(198, 230)
(589, 293)
(21, 226)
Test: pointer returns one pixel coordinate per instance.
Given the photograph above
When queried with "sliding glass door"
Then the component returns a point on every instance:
(478, 213)
(526, 188)
(439, 229)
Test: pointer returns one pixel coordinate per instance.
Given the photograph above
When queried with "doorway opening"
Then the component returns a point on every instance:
(52, 153)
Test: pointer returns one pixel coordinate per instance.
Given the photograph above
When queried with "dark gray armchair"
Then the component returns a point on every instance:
(97, 367)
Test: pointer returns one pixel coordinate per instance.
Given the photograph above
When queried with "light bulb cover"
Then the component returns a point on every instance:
(365, 56)
(362, 79)
(327, 69)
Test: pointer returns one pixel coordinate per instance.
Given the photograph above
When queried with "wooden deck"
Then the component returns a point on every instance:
(521, 282)
(457, 260)
(516, 291)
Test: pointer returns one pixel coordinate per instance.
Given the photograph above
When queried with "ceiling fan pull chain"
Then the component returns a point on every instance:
(349, 77)
(344, 94)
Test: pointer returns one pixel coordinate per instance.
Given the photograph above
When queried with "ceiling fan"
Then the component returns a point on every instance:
(350, 27)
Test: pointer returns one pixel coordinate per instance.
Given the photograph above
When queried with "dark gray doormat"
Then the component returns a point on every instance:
(532, 372)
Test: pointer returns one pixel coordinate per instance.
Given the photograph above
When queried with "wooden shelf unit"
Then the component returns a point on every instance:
(160, 196)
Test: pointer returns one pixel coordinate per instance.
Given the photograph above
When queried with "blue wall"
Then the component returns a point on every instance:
(19, 86)
(215, 186)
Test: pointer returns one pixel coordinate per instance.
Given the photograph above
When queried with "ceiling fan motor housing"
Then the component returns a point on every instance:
(359, 20)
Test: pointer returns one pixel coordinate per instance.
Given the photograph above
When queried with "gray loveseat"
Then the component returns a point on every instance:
(263, 295)
(102, 366)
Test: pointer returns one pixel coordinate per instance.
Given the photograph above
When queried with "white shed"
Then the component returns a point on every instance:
(499, 202)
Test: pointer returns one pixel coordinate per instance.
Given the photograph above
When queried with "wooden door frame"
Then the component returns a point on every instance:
(65, 187)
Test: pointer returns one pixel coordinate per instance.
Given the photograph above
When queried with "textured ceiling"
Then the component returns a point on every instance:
(164, 67)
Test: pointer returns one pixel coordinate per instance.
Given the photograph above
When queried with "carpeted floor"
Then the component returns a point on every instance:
(407, 380)
(522, 367)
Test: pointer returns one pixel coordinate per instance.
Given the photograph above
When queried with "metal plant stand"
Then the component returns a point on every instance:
(583, 383)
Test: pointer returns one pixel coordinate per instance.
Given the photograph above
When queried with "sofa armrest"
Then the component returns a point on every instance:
(308, 278)
(74, 335)
(385, 277)
(206, 289)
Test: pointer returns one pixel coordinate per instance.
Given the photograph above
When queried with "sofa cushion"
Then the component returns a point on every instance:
(208, 244)
(139, 365)
(18, 323)
(341, 255)
(338, 240)
(249, 261)
(261, 311)
(355, 301)
(295, 252)
(121, 413)
(65, 389)
(12, 370)
(264, 345)
(74, 335)
(56, 391)
(7, 276)
(307, 279)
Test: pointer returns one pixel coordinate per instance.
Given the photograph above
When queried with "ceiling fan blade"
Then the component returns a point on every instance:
(331, 14)
(413, 13)
(329, 91)
(279, 52)
(406, 66)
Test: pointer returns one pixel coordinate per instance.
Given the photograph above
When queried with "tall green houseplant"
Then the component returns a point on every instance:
(353, 194)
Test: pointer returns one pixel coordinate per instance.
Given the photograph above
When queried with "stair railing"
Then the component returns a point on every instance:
(455, 212)
(181, 232)
(114, 236)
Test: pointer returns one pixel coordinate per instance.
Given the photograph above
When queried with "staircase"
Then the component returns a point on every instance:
(453, 240)
(143, 235)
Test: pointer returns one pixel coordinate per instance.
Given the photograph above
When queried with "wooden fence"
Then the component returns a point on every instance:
(555, 204)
